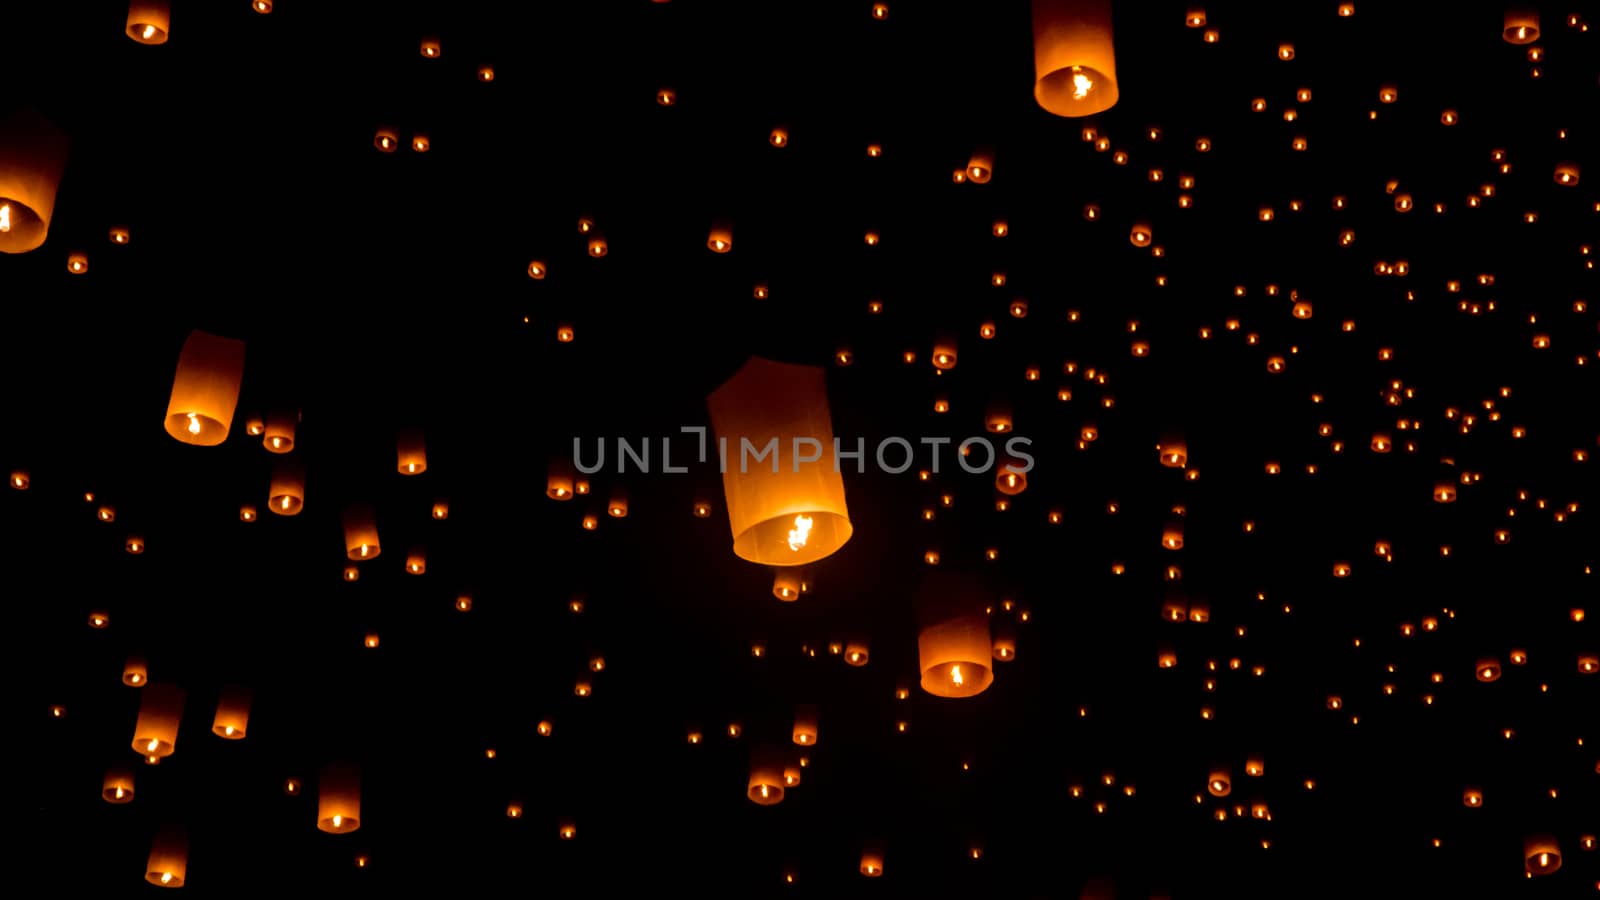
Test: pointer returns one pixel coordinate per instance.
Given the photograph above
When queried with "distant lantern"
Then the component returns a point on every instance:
(1075, 70)
(765, 786)
(254, 425)
(33, 153)
(805, 726)
(1588, 663)
(387, 139)
(721, 238)
(441, 509)
(135, 673)
(779, 137)
(1219, 784)
(1522, 26)
(233, 713)
(169, 857)
(205, 389)
(149, 21)
(1444, 492)
(1255, 766)
(954, 648)
(19, 479)
(99, 619)
(279, 434)
(1541, 854)
(1488, 669)
(785, 495)
(155, 733)
(1012, 476)
(559, 482)
(617, 506)
(856, 653)
(416, 561)
(339, 799)
(361, 533)
(981, 166)
(1567, 174)
(430, 47)
(872, 863)
(262, 6)
(413, 452)
(286, 493)
(944, 352)
(1472, 797)
(1172, 535)
(464, 603)
(77, 263)
(1173, 451)
(598, 246)
(247, 512)
(998, 419)
(1140, 234)
(117, 786)
(537, 270)
(134, 544)
(1196, 17)
(420, 143)
(1003, 644)
(786, 583)
(567, 830)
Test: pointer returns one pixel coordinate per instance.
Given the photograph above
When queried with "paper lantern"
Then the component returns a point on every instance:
(1488, 669)
(1140, 235)
(247, 512)
(1003, 643)
(279, 434)
(766, 777)
(1173, 451)
(420, 143)
(944, 352)
(441, 509)
(262, 6)
(786, 583)
(1521, 26)
(1567, 174)
(118, 786)
(387, 140)
(361, 533)
(788, 508)
(872, 863)
(1472, 797)
(155, 733)
(99, 619)
(205, 389)
(617, 506)
(339, 799)
(1541, 854)
(149, 21)
(805, 725)
(287, 491)
(954, 648)
(1219, 784)
(430, 47)
(33, 153)
(559, 484)
(20, 479)
(980, 168)
(721, 238)
(1074, 66)
(997, 419)
(856, 653)
(1444, 492)
(1172, 535)
(233, 713)
(1011, 478)
(169, 857)
(135, 673)
(413, 453)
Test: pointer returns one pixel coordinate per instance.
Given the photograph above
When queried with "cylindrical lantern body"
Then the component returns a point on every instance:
(360, 533)
(786, 583)
(805, 725)
(944, 352)
(1174, 451)
(872, 863)
(169, 858)
(233, 713)
(1172, 535)
(1522, 26)
(1488, 669)
(287, 492)
(1003, 642)
(156, 731)
(339, 799)
(980, 168)
(33, 153)
(135, 673)
(1220, 784)
(1011, 477)
(149, 21)
(721, 238)
(954, 648)
(1075, 69)
(560, 483)
(413, 453)
(766, 777)
(279, 434)
(785, 494)
(205, 389)
(118, 786)
(1541, 854)
(416, 561)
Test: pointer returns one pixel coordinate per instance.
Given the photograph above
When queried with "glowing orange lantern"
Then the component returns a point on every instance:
(205, 389)
(1075, 68)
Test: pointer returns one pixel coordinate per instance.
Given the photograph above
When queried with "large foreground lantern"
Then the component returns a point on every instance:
(954, 647)
(33, 153)
(339, 799)
(1075, 70)
(205, 389)
(785, 495)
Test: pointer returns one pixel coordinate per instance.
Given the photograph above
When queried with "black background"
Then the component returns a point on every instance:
(377, 291)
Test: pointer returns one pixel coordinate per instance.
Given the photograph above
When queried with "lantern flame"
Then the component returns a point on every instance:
(150, 32)
(5, 217)
(166, 877)
(338, 821)
(799, 533)
(763, 790)
(119, 793)
(228, 730)
(152, 745)
(194, 424)
(1081, 85)
(955, 676)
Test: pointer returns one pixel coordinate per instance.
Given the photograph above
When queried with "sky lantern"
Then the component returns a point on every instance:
(954, 646)
(361, 533)
(205, 389)
(339, 799)
(412, 452)
(155, 733)
(168, 863)
(286, 493)
(233, 713)
(1075, 69)
(786, 508)
(33, 154)
(117, 786)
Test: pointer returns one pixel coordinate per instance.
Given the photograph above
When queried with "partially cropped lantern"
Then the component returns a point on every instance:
(33, 154)
(233, 713)
(1075, 70)
(286, 493)
(412, 452)
(118, 786)
(149, 21)
(155, 733)
(339, 799)
(168, 864)
(360, 533)
(954, 648)
(786, 508)
(205, 389)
